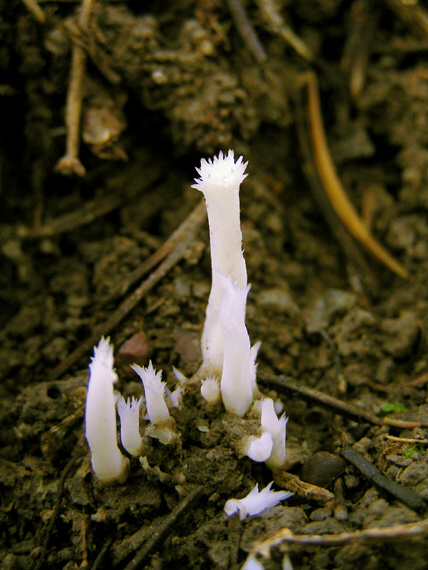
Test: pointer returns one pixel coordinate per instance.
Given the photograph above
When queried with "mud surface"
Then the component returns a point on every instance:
(164, 86)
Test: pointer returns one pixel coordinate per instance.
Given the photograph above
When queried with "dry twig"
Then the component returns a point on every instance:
(35, 9)
(412, 440)
(295, 485)
(348, 245)
(334, 404)
(412, 13)
(333, 186)
(365, 16)
(246, 30)
(98, 207)
(70, 162)
(285, 536)
(406, 496)
(172, 242)
(275, 21)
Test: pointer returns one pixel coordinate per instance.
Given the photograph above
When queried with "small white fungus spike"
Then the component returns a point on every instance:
(279, 407)
(161, 424)
(179, 375)
(219, 181)
(253, 367)
(176, 397)
(210, 390)
(107, 461)
(259, 448)
(252, 563)
(277, 429)
(239, 370)
(154, 390)
(129, 414)
(255, 502)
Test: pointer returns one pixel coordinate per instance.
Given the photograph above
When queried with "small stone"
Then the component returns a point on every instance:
(135, 350)
(400, 460)
(323, 468)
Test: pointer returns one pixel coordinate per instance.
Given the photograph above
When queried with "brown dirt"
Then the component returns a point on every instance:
(165, 86)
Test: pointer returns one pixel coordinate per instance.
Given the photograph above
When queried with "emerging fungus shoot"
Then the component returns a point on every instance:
(162, 425)
(255, 502)
(270, 446)
(239, 369)
(154, 391)
(219, 181)
(129, 414)
(259, 448)
(176, 397)
(276, 427)
(108, 463)
(252, 563)
(210, 390)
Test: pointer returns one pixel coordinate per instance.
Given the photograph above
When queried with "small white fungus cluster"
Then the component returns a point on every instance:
(228, 370)
(129, 413)
(270, 446)
(255, 502)
(108, 463)
(161, 424)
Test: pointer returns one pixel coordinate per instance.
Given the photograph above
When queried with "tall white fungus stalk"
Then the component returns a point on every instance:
(219, 181)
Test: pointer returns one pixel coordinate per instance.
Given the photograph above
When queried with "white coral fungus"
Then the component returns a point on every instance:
(154, 390)
(239, 368)
(129, 414)
(161, 424)
(255, 502)
(252, 563)
(210, 390)
(219, 181)
(259, 448)
(220, 172)
(107, 461)
(276, 427)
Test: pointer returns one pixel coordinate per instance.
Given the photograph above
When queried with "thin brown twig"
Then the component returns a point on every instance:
(364, 19)
(35, 9)
(403, 424)
(334, 404)
(270, 13)
(285, 536)
(246, 30)
(70, 162)
(412, 13)
(76, 35)
(322, 399)
(99, 57)
(333, 186)
(100, 557)
(407, 440)
(96, 208)
(173, 241)
(349, 247)
(197, 217)
(302, 488)
(403, 494)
